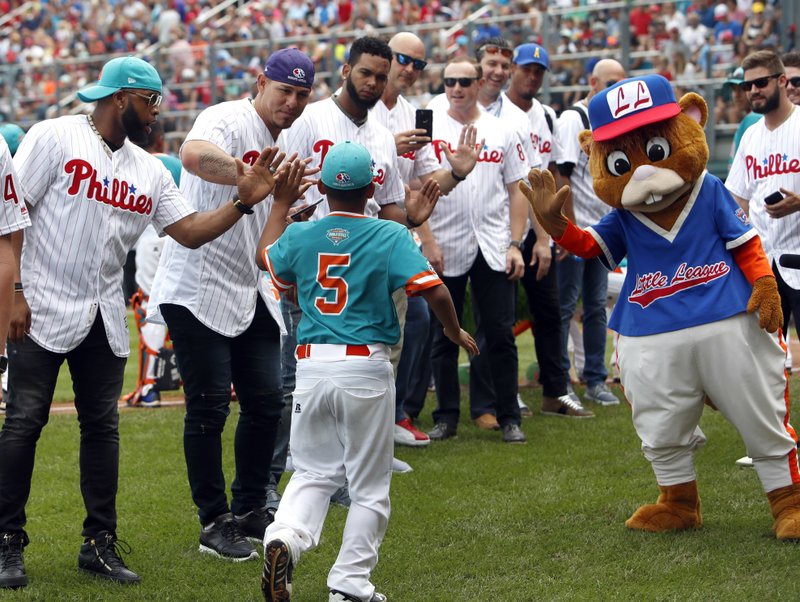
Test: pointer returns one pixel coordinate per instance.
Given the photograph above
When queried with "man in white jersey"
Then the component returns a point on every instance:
(577, 277)
(791, 63)
(223, 314)
(476, 226)
(768, 161)
(91, 192)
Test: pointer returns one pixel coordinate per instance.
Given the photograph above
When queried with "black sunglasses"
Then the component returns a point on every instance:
(759, 82)
(795, 81)
(153, 100)
(404, 60)
(492, 49)
(611, 82)
(464, 82)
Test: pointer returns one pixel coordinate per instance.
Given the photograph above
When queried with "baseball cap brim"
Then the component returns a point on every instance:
(96, 92)
(532, 62)
(635, 121)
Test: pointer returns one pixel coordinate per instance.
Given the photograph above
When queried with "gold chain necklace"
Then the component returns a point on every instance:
(109, 152)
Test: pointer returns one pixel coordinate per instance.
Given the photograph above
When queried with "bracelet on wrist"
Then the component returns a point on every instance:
(411, 223)
(515, 243)
(244, 209)
(18, 287)
(456, 177)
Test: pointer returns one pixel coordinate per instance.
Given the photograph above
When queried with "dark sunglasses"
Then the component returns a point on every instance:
(611, 82)
(506, 52)
(795, 81)
(760, 82)
(153, 100)
(404, 60)
(464, 82)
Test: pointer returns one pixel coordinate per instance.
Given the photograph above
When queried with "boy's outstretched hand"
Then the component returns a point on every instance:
(463, 339)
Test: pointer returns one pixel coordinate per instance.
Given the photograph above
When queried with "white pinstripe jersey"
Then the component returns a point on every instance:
(402, 118)
(767, 161)
(13, 212)
(542, 137)
(88, 208)
(220, 281)
(322, 125)
(588, 208)
(476, 213)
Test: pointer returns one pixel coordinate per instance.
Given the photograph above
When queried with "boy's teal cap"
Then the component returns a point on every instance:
(122, 72)
(347, 166)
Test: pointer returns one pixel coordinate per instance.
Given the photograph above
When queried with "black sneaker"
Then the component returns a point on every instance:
(276, 578)
(100, 557)
(224, 539)
(12, 567)
(254, 524)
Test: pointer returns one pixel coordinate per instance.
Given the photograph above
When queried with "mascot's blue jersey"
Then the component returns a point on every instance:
(684, 277)
(345, 267)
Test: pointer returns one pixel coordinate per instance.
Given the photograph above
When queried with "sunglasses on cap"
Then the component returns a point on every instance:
(464, 82)
(153, 100)
(404, 60)
(759, 82)
(492, 49)
(795, 81)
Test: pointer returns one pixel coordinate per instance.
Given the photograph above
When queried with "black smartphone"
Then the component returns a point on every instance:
(775, 197)
(425, 121)
(296, 216)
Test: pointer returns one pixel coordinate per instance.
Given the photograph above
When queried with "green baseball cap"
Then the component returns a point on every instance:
(347, 166)
(119, 73)
(13, 135)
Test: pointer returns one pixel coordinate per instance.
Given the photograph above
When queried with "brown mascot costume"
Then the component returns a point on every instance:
(699, 313)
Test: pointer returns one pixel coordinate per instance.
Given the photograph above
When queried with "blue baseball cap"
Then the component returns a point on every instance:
(528, 54)
(630, 104)
(290, 66)
(120, 73)
(347, 166)
(12, 134)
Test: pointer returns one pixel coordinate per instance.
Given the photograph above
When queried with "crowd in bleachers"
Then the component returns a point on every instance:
(683, 40)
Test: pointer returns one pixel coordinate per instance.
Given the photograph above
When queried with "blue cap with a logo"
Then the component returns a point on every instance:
(529, 54)
(123, 72)
(347, 166)
(630, 104)
(290, 66)
(12, 134)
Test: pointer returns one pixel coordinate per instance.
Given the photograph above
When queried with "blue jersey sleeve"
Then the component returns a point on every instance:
(610, 235)
(731, 220)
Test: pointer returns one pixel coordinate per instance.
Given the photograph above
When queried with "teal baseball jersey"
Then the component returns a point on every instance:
(345, 267)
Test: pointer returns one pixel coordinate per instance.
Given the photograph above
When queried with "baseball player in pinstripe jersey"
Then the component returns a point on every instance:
(90, 192)
(344, 268)
(223, 315)
(13, 218)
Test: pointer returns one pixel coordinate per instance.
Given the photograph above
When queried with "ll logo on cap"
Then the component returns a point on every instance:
(342, 177)
(299, 73)
(629, 97)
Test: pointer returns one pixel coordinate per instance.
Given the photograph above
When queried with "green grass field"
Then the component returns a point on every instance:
(477, 520)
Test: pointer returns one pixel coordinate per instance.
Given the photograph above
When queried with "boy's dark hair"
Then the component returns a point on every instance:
(354, 195)
(368, 45)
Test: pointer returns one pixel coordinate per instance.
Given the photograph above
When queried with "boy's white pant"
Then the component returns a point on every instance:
(341, 429)
(740, 367)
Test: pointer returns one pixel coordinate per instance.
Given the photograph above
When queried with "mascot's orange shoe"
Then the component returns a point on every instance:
(677, 509)
(785, 504)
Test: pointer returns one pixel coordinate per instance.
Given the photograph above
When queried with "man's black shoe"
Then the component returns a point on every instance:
(254, 524)
(12, 568)
(100, 557)
(224, 539)
(276, 577)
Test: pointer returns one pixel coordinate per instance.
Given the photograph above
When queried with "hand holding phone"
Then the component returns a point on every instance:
(297, 216)
(773, 198)
(424, 121)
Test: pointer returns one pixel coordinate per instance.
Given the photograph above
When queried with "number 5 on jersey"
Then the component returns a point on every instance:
(329, 282)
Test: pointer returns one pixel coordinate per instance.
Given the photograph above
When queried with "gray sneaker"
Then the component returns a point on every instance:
(572, 394)
(600, 393)
(513, 434)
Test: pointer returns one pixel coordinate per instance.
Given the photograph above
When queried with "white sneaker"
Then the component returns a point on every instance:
(405, 433)
(400, 466)
(600, 393)
(745, 462)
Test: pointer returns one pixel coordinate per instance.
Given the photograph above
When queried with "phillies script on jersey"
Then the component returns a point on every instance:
(116, 193)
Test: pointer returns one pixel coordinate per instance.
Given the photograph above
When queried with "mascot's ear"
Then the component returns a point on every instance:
(694, 106)
(586, 141)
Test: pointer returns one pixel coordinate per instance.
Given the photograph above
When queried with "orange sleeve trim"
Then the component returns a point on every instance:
(752, 260)
(579, 242)
(420, 282)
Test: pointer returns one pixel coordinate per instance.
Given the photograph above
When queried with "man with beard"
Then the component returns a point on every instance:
(90, 192)
(223, 314)
(766, 163)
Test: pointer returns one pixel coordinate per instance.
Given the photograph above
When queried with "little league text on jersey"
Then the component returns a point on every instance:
(653, 286)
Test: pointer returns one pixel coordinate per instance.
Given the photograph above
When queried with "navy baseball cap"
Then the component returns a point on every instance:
(12, 134)
(347, 166)
(630, 104)
(530, 54)
(290, 66)
(121, 73)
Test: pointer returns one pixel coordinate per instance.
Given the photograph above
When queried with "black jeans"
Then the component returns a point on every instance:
(97, 376)
(209, 362)
(493, 294)
(545, 310)
(790, 302)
